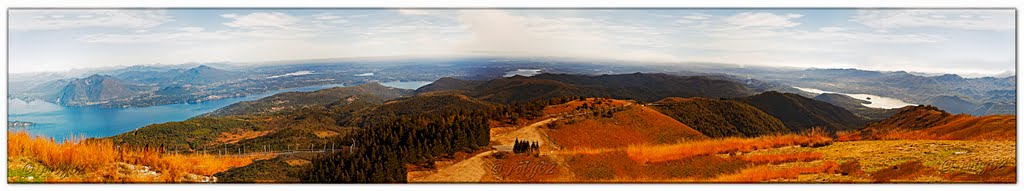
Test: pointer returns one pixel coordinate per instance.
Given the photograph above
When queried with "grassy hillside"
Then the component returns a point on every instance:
(250, 133)
(522, 89)
(449, 84)
(720, 118)
(280, 122)
(310, 125)
(626, 125)
(281, 169)
(929, 122)
(431, 102)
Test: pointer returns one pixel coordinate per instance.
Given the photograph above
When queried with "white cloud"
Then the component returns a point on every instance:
(327, 20)
(697, 16)
(831, 29)
(767, 20)
(186, 35)
(261, 20)
(181, 35)
(27, 20)
(955, 19)
(191, 29)
(418, 12)
(253, 26)
(326, 17)
(497, 32)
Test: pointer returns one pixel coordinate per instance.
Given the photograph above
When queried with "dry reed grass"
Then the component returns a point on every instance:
(762, 173)
(95, 160)
(844, 136)
(668, 152)
(781, 158)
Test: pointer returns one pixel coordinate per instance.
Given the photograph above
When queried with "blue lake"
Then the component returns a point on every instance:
(61, 122)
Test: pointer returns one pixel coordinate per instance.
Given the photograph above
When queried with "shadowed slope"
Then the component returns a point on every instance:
(638, 86)
(800, 113)
(721, 118)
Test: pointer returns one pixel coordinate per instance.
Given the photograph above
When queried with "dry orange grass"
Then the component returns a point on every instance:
(616, 166)
(762, 173)
(930, 123)
(781, 158)
(844, 136)
(993, 127)
(237, 135)
(985, 128)
(585, 150)
(562, 108)
(572, 105)
(907, 135)
(94, 159)
(668, 152)
(72, 155)
(634, 125)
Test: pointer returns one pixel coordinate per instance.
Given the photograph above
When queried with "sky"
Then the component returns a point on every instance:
(970, 42)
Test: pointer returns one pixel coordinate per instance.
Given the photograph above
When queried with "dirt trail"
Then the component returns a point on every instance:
(469, 170)
(530, 132)
(477, 168)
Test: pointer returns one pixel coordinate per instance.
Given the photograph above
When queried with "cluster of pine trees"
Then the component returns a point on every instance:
(525, 146)
(529, 110)
(382, 147)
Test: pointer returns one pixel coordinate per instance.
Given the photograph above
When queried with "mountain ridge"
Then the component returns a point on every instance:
(720, 118)
(800, 113)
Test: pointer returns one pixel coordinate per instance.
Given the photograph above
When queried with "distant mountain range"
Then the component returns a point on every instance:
(480, 78)
(958, 105)
(205, 75)
(145, 86)
(638, 86)
(133, 83)
(990, 94)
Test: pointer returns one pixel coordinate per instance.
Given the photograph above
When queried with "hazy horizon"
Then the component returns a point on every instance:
(303, 61)
(970, 42)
